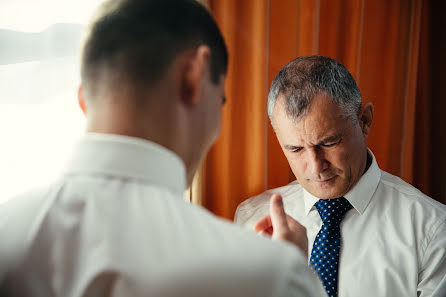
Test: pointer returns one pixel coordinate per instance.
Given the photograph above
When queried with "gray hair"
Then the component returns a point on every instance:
(305, 77)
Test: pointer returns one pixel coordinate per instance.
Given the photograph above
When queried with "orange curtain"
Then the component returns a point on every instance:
(429, 157)
(236, 166)
(385, 44)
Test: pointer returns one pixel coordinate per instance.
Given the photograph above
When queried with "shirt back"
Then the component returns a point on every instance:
(115, 224)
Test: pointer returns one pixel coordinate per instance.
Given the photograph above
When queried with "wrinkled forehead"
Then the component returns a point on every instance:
(324, 118)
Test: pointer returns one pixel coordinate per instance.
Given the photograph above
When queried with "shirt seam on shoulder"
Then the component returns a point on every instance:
(414, 194)
(430, 237)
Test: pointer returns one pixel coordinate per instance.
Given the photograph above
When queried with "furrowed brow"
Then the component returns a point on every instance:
(329, 139)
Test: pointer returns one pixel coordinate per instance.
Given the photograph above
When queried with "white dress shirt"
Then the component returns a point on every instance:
(393, 240)
(115, 224)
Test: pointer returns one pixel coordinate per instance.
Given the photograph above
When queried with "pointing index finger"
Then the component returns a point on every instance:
(278, 216)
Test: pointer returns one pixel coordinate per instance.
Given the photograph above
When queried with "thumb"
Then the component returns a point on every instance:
(278, 217)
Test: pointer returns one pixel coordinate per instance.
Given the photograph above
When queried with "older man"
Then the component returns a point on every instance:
(115, 223)
(369, 232)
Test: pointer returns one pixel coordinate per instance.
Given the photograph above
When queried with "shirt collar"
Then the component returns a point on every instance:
(129, 157)
(361, 193)
(309, 201)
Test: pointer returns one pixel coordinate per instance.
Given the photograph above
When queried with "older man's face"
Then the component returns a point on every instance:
(327, 152)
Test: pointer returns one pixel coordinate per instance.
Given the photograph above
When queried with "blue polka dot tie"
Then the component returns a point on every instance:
(325, 252)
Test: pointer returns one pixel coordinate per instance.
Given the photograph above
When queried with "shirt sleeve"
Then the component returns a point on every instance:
(298, 280)
(432, 276)
(238, 217)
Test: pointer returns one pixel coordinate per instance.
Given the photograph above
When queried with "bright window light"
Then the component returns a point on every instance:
(39, 77)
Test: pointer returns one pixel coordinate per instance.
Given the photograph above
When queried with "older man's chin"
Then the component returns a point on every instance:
(324, 189)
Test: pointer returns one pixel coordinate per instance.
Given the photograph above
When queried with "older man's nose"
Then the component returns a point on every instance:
(316, 163)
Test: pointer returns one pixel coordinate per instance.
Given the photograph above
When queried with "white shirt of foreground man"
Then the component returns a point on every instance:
(115, 224)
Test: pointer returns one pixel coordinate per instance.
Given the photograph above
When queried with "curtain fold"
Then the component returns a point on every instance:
(236, 165)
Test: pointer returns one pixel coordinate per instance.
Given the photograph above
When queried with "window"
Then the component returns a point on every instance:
(39, 76)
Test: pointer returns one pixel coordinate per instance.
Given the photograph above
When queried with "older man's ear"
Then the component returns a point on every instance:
(366, 118)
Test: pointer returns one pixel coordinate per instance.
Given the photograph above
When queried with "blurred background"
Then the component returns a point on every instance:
(395, 49)
(39, 76)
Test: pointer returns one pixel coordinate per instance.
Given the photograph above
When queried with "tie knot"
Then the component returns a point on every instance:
(333, 210)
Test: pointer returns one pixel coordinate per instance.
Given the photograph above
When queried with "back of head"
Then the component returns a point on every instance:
(135, 41)
(305, 77)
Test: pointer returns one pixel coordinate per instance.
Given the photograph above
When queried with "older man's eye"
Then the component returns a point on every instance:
(330, 144)
(295, 150)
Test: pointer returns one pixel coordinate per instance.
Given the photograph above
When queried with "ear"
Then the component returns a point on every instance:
(366, 118)
(193, 74)
(81, 100)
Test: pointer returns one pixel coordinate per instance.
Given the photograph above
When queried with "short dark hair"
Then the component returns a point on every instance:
(305, 77)
(138, 39)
